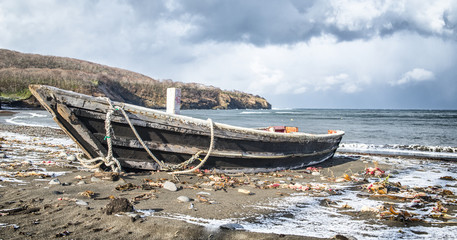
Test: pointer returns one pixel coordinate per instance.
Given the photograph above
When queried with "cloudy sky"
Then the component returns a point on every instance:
(311, 54)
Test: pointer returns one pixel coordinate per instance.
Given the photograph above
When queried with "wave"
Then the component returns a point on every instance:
(245, 112)
(30, 119)
(296, 113)
(419, 151)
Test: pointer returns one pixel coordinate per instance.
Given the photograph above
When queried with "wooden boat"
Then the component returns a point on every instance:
(173, 139)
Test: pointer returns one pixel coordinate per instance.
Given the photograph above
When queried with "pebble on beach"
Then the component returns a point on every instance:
(231, 226)
(170, 186)
(183, 199)
(54, 181)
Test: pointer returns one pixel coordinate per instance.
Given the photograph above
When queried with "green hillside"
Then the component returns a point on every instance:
(18, 70)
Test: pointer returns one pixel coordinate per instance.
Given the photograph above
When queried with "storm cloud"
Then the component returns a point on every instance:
(340, 54)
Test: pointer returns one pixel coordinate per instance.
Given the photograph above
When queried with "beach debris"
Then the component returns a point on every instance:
(313, 169)
(81, 203)
(448, 178)
(79, 177)
(126, 187)
(109, 176)
(19, 210)
(398, 215)
(54, 181)
(205, 199)
(372, 209)
(231, 226)
(31, 174)
(204, 193)
(244, 191)
(183, 199)
(374, 171)
(446, 192)
(346, 206)
(170, 186)
(149, 184)
(144, 196)
(118, 205)
(438, 210)
(88, 194)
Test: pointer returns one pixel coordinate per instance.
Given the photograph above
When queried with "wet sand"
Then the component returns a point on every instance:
(77, 206)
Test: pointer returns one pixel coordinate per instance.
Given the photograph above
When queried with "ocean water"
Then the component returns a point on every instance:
(422, 133)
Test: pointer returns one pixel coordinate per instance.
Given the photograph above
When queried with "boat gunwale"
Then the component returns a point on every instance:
(148, 112)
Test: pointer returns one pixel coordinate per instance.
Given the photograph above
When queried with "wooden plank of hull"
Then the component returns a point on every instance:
(176, 138)
(238, 164)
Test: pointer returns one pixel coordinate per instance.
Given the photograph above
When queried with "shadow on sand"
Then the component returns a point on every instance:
(337, 160)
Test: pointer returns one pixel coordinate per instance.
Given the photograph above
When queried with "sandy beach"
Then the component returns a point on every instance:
(46, 194)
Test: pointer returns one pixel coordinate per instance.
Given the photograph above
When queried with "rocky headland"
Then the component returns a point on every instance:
(18, 70)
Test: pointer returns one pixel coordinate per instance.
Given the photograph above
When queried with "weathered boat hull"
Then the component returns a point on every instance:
(174, 138)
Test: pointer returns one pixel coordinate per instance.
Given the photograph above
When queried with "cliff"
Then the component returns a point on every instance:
(18, 70)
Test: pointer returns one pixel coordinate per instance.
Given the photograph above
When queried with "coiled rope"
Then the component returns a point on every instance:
(109, 160)
(115, 165)
(211, 145)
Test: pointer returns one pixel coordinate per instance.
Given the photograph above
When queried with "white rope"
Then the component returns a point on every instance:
(160, 163)
(90, 163)
(111, 161)
(211, 145)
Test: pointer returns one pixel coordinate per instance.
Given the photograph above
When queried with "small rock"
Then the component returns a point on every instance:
(2, 155)
(170, 186)
(183, 199)
(94, 179)
(231, 226)
(289, 179)
(81, 182)
(71, 158)
(394, 172)
(316, 173)
(133, 216)
(342, 237)
(57, 192)
(54, 181)
(81, 202)
(118, 205)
